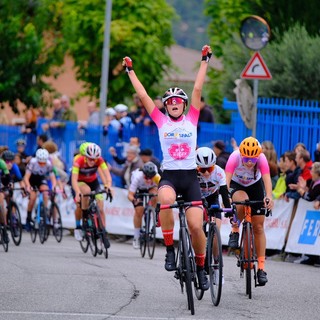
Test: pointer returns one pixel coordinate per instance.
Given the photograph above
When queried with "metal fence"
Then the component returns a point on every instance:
(284, 122)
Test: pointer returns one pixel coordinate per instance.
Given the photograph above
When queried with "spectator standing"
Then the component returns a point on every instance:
(68, 112)
(56, 120)
(292, 174)
(133, 162)
(30, 126)
(271, 155)
(311, 193)
(222, 155)
(317, 153)
(206, 114)
(146, 155)
(94, 116)
(280, 187)
(134, 141)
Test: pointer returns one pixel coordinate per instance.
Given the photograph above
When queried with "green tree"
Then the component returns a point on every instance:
(139, 29)
(30, 45)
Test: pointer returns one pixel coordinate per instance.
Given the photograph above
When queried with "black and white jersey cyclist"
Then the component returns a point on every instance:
(38, 170)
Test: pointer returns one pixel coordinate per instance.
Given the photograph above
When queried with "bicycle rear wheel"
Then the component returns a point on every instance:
(215, 263)
(151, 231)
(55, 217)
(84, 243)
(14, 223)
(186, 268)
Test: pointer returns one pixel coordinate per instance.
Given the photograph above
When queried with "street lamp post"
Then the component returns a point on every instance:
(105, 61)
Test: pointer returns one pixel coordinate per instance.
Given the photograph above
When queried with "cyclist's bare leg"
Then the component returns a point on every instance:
(154, 200)
(195, 223)
(259, 238)
(101, 208)
(84, 188)
(137, 219)
(45, 188)
(167, 195)
(2, 210)
(32, 200)
(215, 244)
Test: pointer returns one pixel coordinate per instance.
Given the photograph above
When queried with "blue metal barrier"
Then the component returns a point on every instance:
(284, 122)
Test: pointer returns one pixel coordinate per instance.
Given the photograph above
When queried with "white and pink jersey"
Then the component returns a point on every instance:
(178, 139)
(242, 174)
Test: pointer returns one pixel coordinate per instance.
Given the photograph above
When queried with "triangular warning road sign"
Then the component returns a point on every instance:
(256, 69)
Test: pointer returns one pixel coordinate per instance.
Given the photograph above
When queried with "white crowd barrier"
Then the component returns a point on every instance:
(304, 236)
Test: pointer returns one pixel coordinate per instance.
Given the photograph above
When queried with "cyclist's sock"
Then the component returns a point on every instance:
(29, 215)
(168, 237)
(200, 258)
(261, 261)
(78, 223)
(136, 234)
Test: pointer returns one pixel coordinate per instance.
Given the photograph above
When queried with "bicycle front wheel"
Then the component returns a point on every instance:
(186, 268)
(215, 263)
(104, 241)
(55, 216)
(43, 224)
(14, 223)
(2, 237)
(247, 254)
(91, 236)
(143, 233)
(151, 231)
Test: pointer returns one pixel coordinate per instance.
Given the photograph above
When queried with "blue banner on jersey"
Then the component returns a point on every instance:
(311, 228)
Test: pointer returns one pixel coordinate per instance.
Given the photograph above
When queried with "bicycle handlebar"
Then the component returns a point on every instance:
(145, 194)
(248, 202)
(93, 193)
(178, 204)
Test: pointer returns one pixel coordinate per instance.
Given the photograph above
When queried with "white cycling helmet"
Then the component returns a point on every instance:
(175, 92)
(93, 151)
(42, 155)
(121, 108)
(205, 157)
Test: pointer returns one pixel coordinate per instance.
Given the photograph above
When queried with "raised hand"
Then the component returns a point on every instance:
(206, 53)
(127, 63)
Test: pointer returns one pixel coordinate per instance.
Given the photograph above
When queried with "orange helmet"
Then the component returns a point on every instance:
(250, 147)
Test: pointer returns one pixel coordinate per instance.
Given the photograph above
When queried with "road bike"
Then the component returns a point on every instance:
(214, 258)
(148, 227)
(247, 257)
(40, 223)
(185, 262)
(13, 214)
(55, 221)
(94, 232)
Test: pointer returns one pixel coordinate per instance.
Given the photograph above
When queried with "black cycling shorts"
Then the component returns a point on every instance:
(184, 182)
(255, 192)
(37, 180)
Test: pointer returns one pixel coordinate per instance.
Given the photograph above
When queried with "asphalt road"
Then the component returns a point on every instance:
(58, 281)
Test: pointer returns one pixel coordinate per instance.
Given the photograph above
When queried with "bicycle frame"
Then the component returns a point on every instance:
(185, 262)
(247, 259)
(148, 227)
(96, 231)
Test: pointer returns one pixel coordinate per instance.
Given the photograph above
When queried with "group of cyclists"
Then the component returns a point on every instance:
(186, 170)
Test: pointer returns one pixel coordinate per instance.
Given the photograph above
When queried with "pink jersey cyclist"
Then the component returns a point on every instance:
(248, 177)
(178, 138)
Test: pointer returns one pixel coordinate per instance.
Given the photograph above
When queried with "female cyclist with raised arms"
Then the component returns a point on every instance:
(248, 177)
(84, 179)
(178, 138)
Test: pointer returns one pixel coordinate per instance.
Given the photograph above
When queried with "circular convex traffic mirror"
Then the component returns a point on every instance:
(254, 32)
